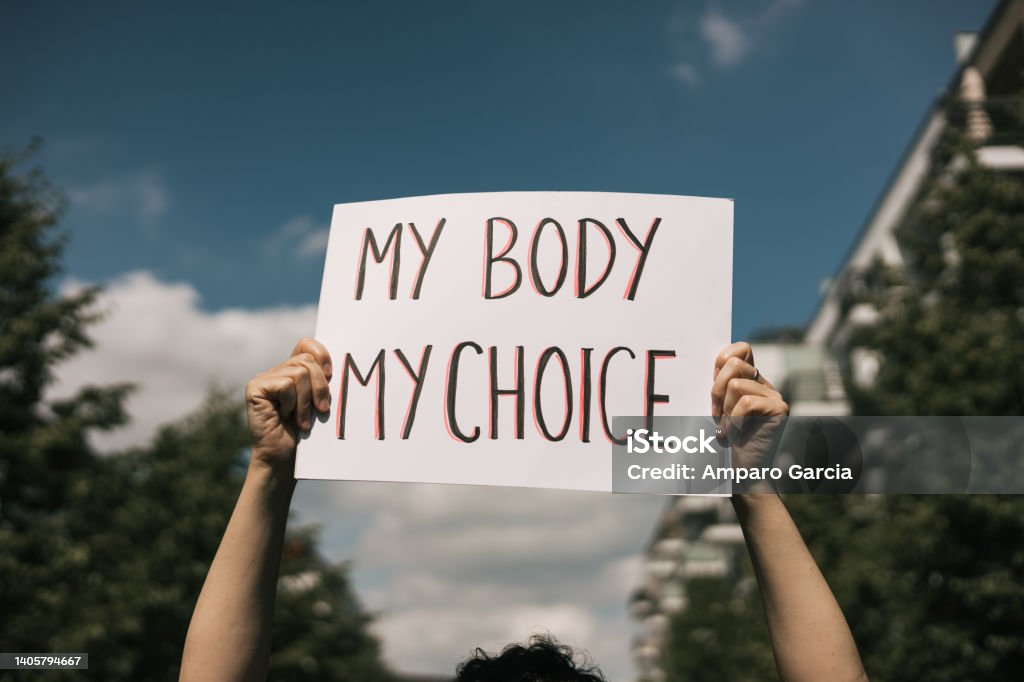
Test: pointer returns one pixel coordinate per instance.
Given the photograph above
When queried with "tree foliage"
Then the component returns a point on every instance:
(43, 446)
(950, 322)
(722, 634)
(106, 554)
(932, 586)
(941, 597)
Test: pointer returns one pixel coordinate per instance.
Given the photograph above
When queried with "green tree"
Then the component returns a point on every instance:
(721, 635)
(942, 596)
(932, 586)
(43, 446)
(107, 554)
(939, 596)
(950, 322)
(154, 545)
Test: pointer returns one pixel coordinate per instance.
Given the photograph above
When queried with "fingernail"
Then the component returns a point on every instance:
(327, 369)
(325, 405)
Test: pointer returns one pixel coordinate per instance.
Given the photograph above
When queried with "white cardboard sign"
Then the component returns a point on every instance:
(491, 338)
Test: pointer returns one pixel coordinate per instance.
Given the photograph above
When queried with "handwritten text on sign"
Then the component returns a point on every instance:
(491, 338)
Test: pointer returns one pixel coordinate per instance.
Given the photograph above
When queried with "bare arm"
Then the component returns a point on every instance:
(810, 637)
(229, 636)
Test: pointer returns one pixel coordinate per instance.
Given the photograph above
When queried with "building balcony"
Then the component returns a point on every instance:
(997, 125)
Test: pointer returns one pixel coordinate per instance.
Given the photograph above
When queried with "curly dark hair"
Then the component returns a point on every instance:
(543, 659)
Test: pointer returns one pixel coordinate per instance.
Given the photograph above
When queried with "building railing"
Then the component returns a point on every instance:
(1005, 116)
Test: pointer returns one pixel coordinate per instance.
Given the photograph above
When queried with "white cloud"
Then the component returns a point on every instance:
(486, 566)
(504, 531)
(156, 334)
(430, 623)
(313, 243)
(728, 37)
(143, 195)
(301, 237)
(446, 568)
(439, 640)
(686, 73)
(728, 41)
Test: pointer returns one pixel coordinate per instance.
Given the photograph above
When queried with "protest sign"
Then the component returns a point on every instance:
(491, 338)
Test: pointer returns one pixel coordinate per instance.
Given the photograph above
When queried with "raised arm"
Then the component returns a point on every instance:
(810, 637)
(229, 636)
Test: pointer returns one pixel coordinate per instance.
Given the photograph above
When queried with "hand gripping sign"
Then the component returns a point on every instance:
(491, 338)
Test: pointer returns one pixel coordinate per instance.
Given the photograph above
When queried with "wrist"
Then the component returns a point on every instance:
(746, 503)
(270, 469)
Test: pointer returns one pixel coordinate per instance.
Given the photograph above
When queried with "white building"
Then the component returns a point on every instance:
(984, 91)
(699, 535)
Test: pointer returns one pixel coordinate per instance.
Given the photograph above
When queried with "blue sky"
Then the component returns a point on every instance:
(193, 139)
(202, 146)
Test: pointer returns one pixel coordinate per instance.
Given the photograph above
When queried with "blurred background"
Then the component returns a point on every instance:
(170, 244)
